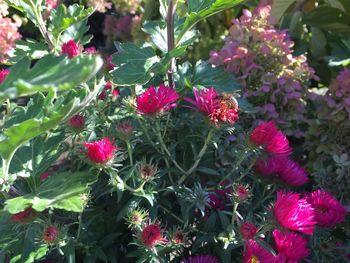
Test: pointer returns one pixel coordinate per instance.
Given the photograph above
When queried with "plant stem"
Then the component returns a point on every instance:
(199, 156)
(127, 187)
(128, 145)
(171, 39)
(235, 206)
(79, 226)
(236, 166)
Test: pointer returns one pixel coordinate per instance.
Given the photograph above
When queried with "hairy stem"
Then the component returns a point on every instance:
(171, 39)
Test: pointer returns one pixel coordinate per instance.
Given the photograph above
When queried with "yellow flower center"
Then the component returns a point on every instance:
(255, 259)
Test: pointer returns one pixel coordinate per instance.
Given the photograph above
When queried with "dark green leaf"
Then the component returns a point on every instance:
(279, 7)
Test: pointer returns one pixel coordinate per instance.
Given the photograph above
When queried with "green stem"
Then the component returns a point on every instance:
(127, 187)
(148, 136)
(236, 166)
(171, 213)
(128, 145)
(166, 150)
(79, 225)
(235, 206)
(199, 156)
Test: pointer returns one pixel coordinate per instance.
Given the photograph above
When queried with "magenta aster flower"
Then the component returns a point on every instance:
(286, 169)
(154, 101)
(291, 245)
(100, 152)
(294, 213)
(71, 49)
(3, 74)
(218, 108)
(328, 211)
(255, 253)
(201, 259)
(271, 139)
(152, 235)
(248, 230)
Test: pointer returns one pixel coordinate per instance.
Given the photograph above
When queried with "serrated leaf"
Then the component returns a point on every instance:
(50, 72)
(62, 17)
(201, 9)
(28, 48)
(158, 32)
(61, 191)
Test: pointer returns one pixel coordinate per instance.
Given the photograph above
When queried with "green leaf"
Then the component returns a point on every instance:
(61, 191)
(329, 18)
(50, 72)
(208, 76)
(158, 32)
(133, 64)
(26, 6)
(201, 9)
(28, 48)
(62, 17)
(279, 7)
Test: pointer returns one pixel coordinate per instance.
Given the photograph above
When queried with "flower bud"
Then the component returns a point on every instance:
(24, 216)
(77, 122)
(125, 128)
(147, 171)
(248, 230)
(50, 234)
(71, 49)
(3, 74)
(241, 192)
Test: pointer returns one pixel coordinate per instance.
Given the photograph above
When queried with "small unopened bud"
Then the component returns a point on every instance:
(50, 234)
(77, 122)
(179, 237)
(241, 192)
(147, 171)
(71, 49)
(248, 230)
(125, 128)
(136, 217)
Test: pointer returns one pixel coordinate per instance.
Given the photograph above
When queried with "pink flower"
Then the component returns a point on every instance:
(108, 88)
(271, 139)
(286, 169)
(8, 36)
(241, 192)
(248, 230)
(328, 211)
(154, 101)
(3, 74)
(254, 253)
(51, 4)
(45, 175)
(77, 122)
(201, 259)
(71, 49)
(219, 109)
(23, 216)
(100, 152)
(216, 201)
(291, 245)
(90, 50)
(50, 234)
(294, 213)
(109, 64)
(152, 235)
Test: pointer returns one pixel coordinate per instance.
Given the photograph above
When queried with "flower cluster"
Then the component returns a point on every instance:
(8, 32)
(261, 57)
(99, 5)
(218, 108)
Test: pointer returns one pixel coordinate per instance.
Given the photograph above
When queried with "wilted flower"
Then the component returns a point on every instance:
(77, 122)
(271, 139)
(50, 234)
(45, 175)
(286, 169)
(71, 49)
(201, 259)
(254, 253)
(248, 230)
(152, 235)
(291, 245)
(3, 74)
(294, 213)
(100, 152)
(154, 101)
(328, 211)
(23, 216)
(218, 108)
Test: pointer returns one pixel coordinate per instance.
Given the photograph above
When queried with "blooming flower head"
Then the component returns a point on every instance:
(100, 152)
(50, 234)
(8, 36)
(201, 259)
(218, 108)
(248, 230)
(271, 139)
(45, 175)
(286, 170)
(3, 74)
(152, 235)
(71, 49)
(291, 245)
(23, 216)
(77, 122)
(328, 211)
(254, 253)
(154, 101)
(294, 213)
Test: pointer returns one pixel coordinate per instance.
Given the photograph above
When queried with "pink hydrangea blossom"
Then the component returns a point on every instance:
(291, 245)
(294, 213)
(328, 211)
(271, 139)
(8, 36)
(154, 101)
(255, 253)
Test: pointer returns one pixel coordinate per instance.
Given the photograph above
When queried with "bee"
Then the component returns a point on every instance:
(230, 99)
